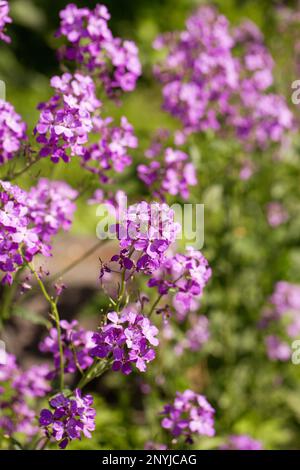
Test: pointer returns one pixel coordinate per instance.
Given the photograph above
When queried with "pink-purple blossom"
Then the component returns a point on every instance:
(51, 207)
(12, 131)
(128, 339)
(276, 214)
(174, 175)
(145, 232)
(241, 442)
(69, 418)
(189, 415)
(186, 274)
(4, 20)
(77, 344)
(111, 152)
(67, 119)
(17, 389)
(91, 46)
(215, 78)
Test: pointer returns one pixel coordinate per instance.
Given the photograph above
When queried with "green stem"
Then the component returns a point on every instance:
(8, 296)
(97, 368)
(55, 316)
(155, 305)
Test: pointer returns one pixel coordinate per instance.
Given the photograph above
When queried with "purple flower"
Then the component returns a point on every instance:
(111, 152)
(93, 48)
(277, 350)
(29, 220)
(214, 77)
(69, 418)
(189, 415)
(67, 118)
(187, 274)
(18, 389)
(51, 207)
(173, 176)
(12, 130)
(197, 335)
(241, 442)
(15, 231)
(145, 232)
(33, 382)
(77, 344)
(128, 339)
(276, 214)
(282, 313)
(4, 20)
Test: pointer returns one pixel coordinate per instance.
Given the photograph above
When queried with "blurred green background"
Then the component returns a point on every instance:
(250, 393)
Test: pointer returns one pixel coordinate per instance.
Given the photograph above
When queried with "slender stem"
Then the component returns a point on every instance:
(23, 170)
(122, 291)
(75, 263)
(96, 369)
(155, 305)
(55, 315)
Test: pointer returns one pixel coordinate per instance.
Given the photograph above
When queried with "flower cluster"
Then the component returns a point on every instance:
(128, 339)
(261, 117)
(4, 19)
(172, 176)
(28, 220)
(93, 48)
(186, 274)
(67, 118)
(17, 388)
(283, 311)
(51, 207)
(69, 418)
(76, 343)
(199, 73)
(214, 76)
(189, 415)
(111, 151)
(145, 232)
(241, 442)
(18, 241)
(12, 131)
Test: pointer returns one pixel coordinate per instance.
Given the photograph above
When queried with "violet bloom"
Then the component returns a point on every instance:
(241, 442)
(16, 233)
(4, 20)
(173, 176)
(277, 350)
(214, 77)
(12, 131)
(190, 414)
(93, 48)
(198, 334)
(127, 339)
(17, 389)
(282, 312)
(69, 418)
(145, 232)
(33, 382)
(150, 445)
(76, 343)
(111, 152)
(187, 274)
(51, 207)
(276, 214)
(67, 118)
